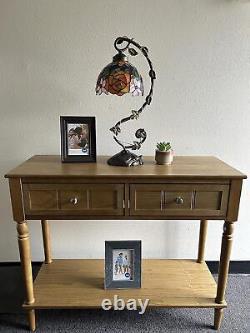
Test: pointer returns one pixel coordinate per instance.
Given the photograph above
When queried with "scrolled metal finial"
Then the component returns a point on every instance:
(119, 41)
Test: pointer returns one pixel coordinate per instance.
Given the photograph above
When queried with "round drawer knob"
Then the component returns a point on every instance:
(179, 200)
(73, 201)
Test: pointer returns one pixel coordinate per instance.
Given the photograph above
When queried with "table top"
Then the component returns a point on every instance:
(183, 167)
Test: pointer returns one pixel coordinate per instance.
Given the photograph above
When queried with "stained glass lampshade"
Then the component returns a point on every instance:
(119, 77)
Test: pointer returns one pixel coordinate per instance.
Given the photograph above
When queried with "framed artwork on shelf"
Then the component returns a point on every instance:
(78, 139)
(122, 264)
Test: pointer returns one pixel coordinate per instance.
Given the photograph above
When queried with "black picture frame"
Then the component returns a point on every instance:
(89, 142)
(111, 250)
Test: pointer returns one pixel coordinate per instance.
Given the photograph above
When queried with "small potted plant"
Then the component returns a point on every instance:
(164, 153)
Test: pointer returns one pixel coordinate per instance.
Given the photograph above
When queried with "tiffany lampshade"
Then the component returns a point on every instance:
(118, 78)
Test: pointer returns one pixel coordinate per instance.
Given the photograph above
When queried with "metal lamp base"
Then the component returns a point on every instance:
(125, 158)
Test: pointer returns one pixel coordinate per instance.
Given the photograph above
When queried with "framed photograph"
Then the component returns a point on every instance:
(122, 264)
(78, 139)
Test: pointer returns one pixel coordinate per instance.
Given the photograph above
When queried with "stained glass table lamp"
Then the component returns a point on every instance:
(118, 78)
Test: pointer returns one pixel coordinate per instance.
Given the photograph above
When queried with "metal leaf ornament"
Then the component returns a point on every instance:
(132, 51)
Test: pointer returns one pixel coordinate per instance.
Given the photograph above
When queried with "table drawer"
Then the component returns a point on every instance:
(211, 199)
(73, 199)
(178, 199)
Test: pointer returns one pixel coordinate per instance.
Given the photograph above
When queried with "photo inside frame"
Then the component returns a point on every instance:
(123, 265)
(78, 139)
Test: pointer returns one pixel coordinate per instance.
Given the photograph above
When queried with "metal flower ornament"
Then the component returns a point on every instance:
(118, 78)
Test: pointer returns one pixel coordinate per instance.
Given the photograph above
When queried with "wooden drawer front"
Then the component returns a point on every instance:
(148, 199)
(73, 199)
(42, 199)
(212, 199)
(178, 199)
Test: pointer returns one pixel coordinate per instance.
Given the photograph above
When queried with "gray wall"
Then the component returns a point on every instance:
(50, 55)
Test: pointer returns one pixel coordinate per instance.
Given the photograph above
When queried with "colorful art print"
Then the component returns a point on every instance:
(78, 139)
(122, 264)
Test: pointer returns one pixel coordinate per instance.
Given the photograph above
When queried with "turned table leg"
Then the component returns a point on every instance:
(24, 250)
(202, 240)
(46, 241)
(218, 316)
(226, 246)
(32, 320)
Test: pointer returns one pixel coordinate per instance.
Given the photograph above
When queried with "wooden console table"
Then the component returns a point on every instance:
(193, 188)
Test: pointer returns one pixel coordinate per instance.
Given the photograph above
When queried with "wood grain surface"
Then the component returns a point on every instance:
(183, 166)
(76, 283)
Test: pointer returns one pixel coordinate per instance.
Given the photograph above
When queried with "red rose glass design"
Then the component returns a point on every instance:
(119, 78)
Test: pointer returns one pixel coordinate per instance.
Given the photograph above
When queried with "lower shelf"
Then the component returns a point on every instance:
(167, 283)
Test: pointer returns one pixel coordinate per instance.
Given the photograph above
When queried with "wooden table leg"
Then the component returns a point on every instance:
(202, 240)
(226, 246)
(218, 316)
(46, 241)
(32, 320)
(24, 250)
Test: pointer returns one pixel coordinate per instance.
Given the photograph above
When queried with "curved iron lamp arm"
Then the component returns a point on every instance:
(140, 133)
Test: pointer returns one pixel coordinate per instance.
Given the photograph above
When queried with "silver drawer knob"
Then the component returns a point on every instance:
(179, 200)
(73, 201)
